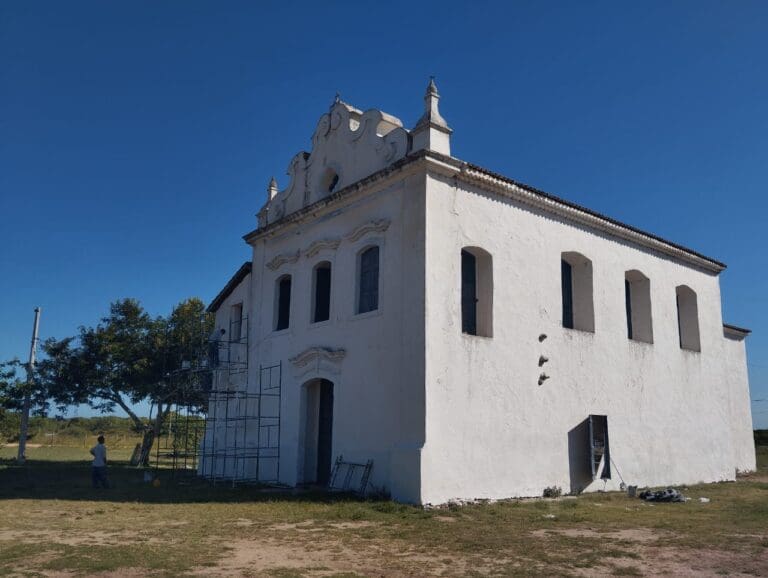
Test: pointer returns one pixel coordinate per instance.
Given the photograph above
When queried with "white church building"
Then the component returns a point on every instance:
(463, 335)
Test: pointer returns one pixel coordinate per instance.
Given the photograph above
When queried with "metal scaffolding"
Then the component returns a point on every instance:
(221, 427)
(242, 432)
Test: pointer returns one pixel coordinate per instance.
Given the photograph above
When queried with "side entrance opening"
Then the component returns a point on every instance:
(318, 431)
(589, 453)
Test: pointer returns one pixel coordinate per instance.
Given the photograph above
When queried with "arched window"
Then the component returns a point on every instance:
(476, 292)
(688, 318)
(578, 305)
(283, 303)
(368, 280)
(637, 297)
(321, 298)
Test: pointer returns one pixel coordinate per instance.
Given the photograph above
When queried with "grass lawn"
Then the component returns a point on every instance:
(53, 524)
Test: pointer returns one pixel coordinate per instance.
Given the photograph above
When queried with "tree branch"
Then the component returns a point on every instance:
(126, 408)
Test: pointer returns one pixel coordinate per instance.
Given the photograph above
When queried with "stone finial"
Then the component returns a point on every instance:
(272, 189)
(432, 131)
(431, 114)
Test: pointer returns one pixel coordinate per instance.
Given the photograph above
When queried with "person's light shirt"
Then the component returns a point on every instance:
(99, 456)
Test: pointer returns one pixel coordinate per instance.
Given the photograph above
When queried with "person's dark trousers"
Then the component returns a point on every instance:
(99, 476)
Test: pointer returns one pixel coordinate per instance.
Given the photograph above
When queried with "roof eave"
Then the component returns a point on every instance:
(519, 191)
(735, 330)
(233, 282)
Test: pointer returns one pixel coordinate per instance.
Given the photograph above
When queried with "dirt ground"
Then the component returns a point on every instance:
(53, 524)
(248, 558)
(306, 549)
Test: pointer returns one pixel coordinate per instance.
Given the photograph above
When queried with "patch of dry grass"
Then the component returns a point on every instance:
(52, 523)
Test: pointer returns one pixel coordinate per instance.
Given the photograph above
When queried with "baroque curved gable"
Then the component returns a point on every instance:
(347, 146)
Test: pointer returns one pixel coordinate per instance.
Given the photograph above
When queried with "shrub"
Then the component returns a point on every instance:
(553, 492)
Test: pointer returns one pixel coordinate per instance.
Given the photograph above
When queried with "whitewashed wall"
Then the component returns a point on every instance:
(674, 416)
(735, 361)
(378, 383)
(445, 415)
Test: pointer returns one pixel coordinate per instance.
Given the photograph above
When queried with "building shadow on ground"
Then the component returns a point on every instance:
(71, 480)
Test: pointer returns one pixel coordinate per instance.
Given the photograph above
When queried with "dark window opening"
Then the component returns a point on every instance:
(576, 279)
(688, 318)
(334, 182)
(637, 295)
(628, 305)
(236, 322)
(283, 303)
(329, 181)
(567, 283)
(322, 310)
(468, 293)
(368, 298)
(325, 433)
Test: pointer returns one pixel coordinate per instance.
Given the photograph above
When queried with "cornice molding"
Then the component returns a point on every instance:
(455, 168)
(372, 183)
(735, 332)
(282, 259)
(377, 226)
(582, 216)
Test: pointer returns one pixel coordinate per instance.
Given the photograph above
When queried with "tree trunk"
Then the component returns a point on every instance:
(146, 448)
(140, 458)
(150, 435)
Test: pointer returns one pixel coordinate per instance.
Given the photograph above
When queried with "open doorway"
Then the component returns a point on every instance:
(318, 431)
(589, 452)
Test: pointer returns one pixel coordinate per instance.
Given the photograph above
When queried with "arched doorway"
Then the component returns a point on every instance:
(318, 431)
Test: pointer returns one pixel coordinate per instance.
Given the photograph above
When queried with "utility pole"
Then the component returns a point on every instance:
(21, 457)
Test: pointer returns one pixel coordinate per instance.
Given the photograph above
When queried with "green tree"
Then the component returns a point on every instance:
(131, 357)
(13, 388)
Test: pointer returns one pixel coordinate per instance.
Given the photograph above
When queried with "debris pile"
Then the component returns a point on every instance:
(668, 495)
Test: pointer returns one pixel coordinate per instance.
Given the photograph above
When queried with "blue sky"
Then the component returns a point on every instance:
(137, 138)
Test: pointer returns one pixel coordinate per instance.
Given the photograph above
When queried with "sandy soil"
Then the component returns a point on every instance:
(324, 549)
(314, 556)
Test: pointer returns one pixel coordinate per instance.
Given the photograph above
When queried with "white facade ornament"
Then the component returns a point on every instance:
(312, 354)
(378, 226)
(432, 114)
(317, 246)
(432, 131)
(272, 189)
(282, 259)
(349, 145)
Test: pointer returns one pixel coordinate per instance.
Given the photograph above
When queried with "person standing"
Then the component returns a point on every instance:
(99, 464)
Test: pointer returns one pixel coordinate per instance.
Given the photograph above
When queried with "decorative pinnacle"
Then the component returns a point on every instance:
(432, 88)
(272, 189)
(431, 116)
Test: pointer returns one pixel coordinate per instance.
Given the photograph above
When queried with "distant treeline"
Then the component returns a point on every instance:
(40, 427)
(761, 437)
